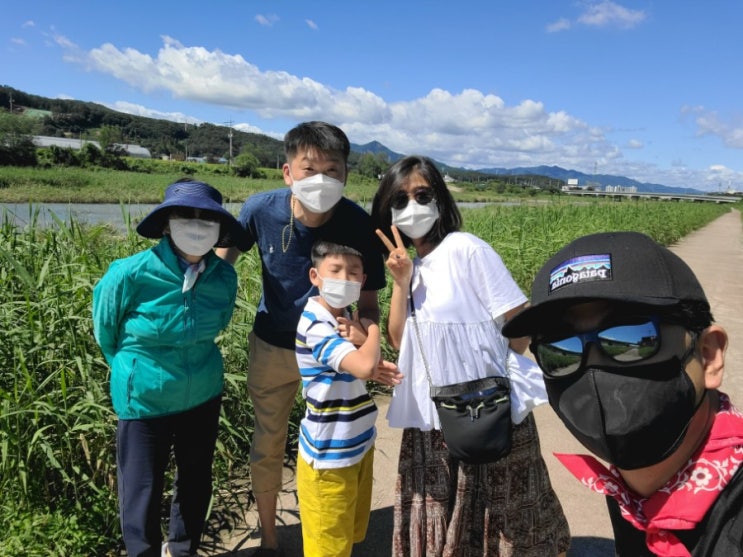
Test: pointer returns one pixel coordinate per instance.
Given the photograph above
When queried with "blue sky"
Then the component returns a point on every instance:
(649, 89)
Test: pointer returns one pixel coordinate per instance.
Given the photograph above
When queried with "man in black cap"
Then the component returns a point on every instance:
(632, 362)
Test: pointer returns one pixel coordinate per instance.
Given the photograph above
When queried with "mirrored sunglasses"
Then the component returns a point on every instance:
(625, 343)
(422, 196)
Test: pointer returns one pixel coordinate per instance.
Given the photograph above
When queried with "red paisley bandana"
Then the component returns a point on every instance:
(685, 499)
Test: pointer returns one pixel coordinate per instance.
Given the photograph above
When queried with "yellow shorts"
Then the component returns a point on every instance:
(334, 506)
(273, 383)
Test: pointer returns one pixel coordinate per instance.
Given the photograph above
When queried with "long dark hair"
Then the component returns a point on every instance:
(450, 219)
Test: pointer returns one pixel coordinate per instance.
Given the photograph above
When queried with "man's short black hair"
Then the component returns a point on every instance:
(318, 135)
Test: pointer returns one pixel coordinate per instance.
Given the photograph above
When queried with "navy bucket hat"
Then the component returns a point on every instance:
(194, 195)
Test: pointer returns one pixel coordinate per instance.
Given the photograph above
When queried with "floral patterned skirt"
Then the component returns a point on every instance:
(444, 508)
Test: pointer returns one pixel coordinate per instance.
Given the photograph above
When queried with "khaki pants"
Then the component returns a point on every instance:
(273, 380)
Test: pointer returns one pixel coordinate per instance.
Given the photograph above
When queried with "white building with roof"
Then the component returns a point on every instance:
(77, 144)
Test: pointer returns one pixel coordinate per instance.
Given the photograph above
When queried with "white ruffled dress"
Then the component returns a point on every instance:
(461, 291)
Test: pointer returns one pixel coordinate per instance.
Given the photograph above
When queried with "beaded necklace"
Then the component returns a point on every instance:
(290, 227)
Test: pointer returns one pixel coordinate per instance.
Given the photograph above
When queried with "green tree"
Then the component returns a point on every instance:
(108, 136)
(372, 165)
(16, 140)
(246, 165)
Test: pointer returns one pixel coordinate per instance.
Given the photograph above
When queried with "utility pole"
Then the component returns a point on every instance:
(10, 94)
(230, 136)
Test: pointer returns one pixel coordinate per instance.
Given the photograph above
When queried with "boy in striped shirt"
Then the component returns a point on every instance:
(336, 440)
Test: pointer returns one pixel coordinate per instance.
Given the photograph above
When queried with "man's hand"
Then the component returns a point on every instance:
(387, 374)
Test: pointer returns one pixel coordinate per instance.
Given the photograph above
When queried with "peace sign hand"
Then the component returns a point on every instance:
(398, 262)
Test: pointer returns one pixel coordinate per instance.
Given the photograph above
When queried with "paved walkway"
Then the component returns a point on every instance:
(715, 253)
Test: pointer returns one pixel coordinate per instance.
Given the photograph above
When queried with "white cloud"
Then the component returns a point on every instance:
(139, 110)
(601, 14)
(466, 128)
(28, 23)
(311, 24)
(607, 13)
(561, 24)
(708, 122)
(266, 20)
(474, 128)
(17, 41)
(64, 42)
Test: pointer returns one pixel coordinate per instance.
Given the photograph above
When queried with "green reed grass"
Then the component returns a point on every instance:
(82, 185)
(57, 428)
(525, 236)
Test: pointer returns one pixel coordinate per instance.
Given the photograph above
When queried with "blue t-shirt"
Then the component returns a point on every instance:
(285, 258)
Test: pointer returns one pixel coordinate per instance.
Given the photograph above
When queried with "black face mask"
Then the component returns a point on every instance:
(632, 417)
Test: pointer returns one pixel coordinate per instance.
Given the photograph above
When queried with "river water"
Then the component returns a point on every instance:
(20, 214)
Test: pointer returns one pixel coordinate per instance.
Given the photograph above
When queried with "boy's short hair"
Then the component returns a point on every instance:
(322, 248)
(319, 135)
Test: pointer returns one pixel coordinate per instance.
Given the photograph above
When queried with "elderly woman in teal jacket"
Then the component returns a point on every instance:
(156, 316)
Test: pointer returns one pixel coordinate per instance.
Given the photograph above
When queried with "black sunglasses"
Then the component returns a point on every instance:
(625, 343)
(190, 213)
(422, 196)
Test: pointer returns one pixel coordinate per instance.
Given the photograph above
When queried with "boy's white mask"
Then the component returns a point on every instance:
(340, 293)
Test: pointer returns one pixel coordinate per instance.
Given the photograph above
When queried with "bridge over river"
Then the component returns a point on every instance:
(699, 198)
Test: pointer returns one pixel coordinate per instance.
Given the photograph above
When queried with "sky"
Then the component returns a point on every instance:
(647, 89)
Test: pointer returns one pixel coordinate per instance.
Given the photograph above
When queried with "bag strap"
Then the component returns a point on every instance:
(418, 335)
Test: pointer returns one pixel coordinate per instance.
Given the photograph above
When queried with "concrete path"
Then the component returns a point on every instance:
(715, 253)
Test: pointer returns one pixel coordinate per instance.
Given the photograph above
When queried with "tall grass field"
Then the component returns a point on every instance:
(57, 428)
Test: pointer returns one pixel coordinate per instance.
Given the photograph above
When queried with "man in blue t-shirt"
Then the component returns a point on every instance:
(284, 224)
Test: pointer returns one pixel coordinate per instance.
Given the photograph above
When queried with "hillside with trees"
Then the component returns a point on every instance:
(163, 138)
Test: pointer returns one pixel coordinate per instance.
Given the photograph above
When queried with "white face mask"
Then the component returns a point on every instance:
(194, 236)
(340, 293)
(415, 220)
(318, 193)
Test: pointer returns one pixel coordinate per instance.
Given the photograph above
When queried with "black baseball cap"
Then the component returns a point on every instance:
(627, 267)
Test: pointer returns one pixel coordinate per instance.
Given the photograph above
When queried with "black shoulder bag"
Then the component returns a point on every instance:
(475, 415)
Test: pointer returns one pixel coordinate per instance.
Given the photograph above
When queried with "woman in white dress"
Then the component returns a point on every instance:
(462, 294)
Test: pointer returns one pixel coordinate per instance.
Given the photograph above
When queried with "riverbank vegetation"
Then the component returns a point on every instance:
(57, 429)
(147, 185)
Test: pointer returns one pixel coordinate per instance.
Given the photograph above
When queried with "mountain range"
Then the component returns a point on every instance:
(554, 172)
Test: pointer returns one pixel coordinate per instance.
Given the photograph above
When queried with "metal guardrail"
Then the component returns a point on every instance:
(657, 196)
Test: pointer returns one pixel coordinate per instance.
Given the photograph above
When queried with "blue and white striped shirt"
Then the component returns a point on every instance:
(338, 425)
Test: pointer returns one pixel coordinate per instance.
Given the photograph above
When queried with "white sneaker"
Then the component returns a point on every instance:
(165, 552)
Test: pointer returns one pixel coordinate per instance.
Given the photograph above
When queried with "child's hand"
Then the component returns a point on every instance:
(353, 329)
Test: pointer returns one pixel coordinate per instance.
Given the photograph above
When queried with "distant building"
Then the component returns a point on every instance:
(77, 144)
(571, 184)
(448, 179)
(620, 189)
